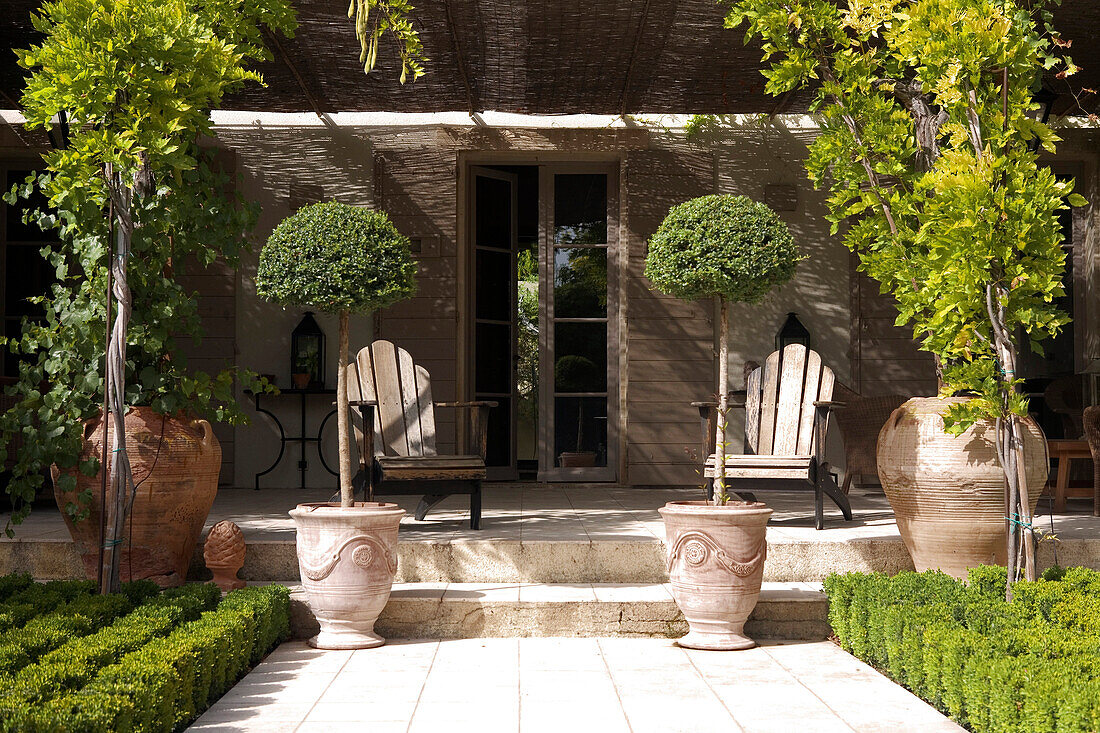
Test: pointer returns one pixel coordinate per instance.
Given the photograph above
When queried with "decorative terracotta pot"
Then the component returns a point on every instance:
(175, 463)
(716, 564)
(347, 557)
(948, 492)
(577, 459)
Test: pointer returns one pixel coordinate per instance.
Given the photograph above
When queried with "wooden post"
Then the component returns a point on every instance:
(342, 422)
(720, 495)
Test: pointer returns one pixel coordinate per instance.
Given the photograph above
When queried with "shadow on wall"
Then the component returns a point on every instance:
(283, 169)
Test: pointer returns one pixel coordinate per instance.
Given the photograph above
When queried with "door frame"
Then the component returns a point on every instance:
(579, 162)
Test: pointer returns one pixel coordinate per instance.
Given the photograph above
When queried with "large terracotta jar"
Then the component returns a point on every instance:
(716, 564)
(347, 557)
(948, 492)
(175, 464)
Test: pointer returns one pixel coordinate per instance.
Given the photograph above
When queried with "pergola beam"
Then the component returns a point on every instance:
(281, 53)
(624, 96)
(460, 60)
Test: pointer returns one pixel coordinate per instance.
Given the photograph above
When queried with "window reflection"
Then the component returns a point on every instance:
(580, 283)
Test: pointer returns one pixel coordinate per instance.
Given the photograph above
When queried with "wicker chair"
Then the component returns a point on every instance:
(1091, 419)
(860, 421)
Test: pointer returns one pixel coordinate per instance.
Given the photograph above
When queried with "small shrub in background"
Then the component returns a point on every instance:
(1031, 665)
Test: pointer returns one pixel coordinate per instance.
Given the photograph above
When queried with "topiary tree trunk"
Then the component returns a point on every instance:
(723, 394)
(343, 423)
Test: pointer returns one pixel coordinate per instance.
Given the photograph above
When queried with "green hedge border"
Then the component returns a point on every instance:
(1032, 665)
(155, 669)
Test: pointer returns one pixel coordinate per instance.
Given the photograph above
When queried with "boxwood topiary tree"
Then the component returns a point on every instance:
(726, 247)
(337, 259)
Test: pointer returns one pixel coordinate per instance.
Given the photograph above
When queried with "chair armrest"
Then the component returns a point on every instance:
(478, 411)
(830, 404)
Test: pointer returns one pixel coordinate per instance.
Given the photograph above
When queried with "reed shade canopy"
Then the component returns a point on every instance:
(537, 57)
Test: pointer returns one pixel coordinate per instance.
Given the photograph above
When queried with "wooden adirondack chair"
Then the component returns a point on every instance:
(787, 404)
(395, 432)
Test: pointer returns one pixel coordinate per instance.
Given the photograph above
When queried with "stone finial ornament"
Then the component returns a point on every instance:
(224, 554)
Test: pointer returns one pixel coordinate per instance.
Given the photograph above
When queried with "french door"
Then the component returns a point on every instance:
(495, 236)
(578, 333)
(552, 366)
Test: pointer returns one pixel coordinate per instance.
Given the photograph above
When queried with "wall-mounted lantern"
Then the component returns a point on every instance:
(793, 332)
(307, 354)
(58, 131)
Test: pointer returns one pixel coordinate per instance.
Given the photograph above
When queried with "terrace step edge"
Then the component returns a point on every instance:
(477, 610)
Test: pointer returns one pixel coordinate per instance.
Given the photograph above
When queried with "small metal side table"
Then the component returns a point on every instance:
(301, 438)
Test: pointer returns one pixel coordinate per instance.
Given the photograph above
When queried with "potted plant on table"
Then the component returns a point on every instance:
(930, 130)
(735, 250)
(135, 198)
(341, 259)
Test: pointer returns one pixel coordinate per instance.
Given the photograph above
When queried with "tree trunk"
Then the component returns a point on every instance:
(121, 477)
(342, 421)
(720, 495)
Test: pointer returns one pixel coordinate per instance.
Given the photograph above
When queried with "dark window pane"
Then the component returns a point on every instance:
(15, 229)
(580, 283)
(494, 285)
(12, 329)
(493, 350)
(499, 444)
(27, 275)
(493, 220)
(580, 353)
(580, 431)
(580, 208)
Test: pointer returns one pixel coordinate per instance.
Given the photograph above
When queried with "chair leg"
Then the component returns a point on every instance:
(426, 503)
(819, 507)
(847, 482)
(475, 506)
(828, 486)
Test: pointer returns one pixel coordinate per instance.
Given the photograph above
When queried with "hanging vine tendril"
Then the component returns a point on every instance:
(392, 17)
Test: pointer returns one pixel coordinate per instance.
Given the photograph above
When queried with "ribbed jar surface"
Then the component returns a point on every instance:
(948, 492)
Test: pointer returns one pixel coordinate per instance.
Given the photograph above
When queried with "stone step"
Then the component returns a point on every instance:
(551, 561)
(509, 561)
(477, 610)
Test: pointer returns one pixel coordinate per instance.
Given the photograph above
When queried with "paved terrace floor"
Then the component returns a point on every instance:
(535, 685)
(569, 512)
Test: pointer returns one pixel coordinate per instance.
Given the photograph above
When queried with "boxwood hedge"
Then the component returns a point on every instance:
(1030, 665)
(154, 668)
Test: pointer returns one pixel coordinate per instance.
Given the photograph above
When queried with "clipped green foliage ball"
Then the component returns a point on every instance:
(721, 246)
(334, 257)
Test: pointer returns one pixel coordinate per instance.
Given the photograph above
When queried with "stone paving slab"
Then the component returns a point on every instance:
(551, 684)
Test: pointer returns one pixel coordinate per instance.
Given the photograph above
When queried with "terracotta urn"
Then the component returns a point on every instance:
(716, 564)
(948, 492)
(224, 554)
(347, 557)
(175, 464)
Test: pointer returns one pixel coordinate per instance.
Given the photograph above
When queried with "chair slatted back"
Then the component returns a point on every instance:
(405, 417)
(779, 404)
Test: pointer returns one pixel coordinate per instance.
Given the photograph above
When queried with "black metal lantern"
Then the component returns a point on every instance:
(307, 354)
(58, 131)
(1045, 99)
(793, 332)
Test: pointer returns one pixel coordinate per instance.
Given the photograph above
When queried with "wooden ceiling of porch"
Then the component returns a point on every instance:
(535, 57)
